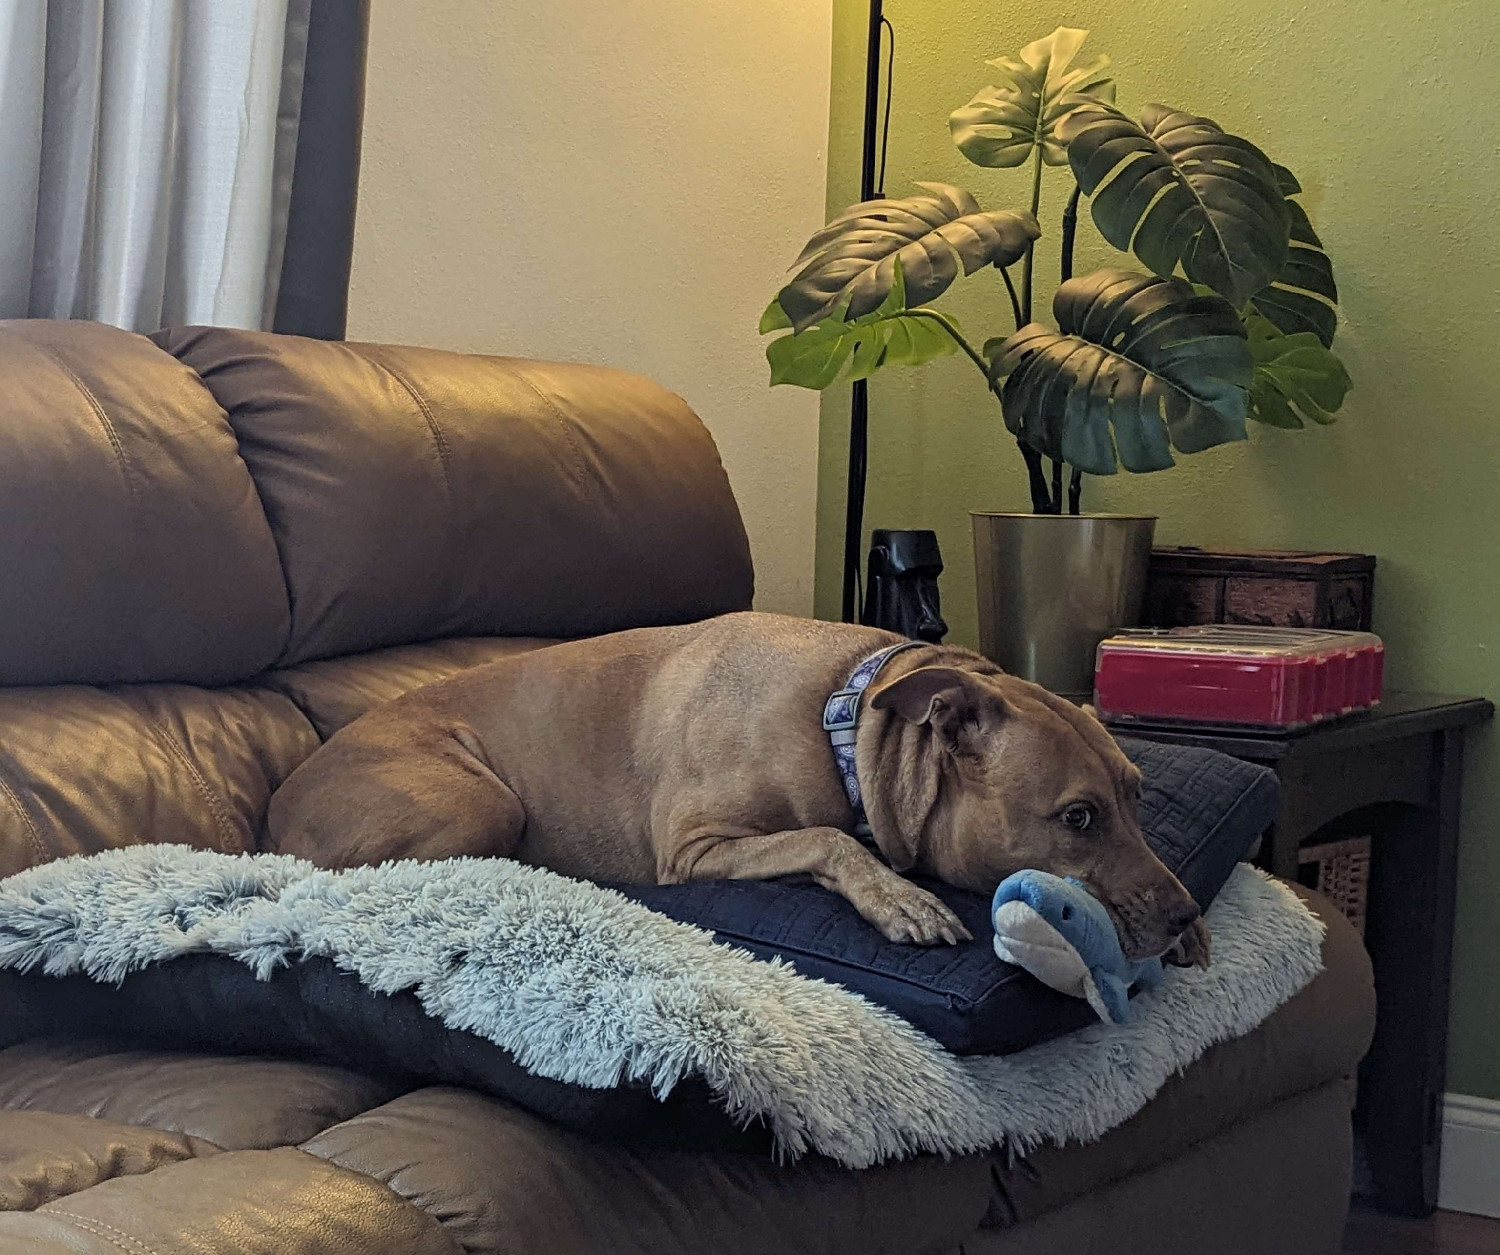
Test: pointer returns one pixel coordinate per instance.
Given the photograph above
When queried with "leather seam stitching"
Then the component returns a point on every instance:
(565, 426)
(438, 439)
(115, 443)
(33, 834)
(222, 820)
(101, 1229)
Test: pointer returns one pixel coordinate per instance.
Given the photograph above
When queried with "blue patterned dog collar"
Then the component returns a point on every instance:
(841, 717)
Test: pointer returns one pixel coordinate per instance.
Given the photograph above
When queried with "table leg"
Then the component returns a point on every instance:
(1409, 933)
(1292, 826)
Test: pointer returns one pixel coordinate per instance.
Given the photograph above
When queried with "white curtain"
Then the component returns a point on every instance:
(145, 157)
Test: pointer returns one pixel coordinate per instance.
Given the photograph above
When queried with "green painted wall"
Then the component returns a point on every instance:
(1385, 110)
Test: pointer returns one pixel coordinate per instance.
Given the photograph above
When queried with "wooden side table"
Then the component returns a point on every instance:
(1395, 775)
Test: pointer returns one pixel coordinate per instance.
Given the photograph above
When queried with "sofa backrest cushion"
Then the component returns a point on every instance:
(197, 544)
(87, 769)
(248, 500)
(132, 542)
(416, 494)
(84, 769)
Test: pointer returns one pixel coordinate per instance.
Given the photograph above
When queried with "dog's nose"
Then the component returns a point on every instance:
(1182, 916)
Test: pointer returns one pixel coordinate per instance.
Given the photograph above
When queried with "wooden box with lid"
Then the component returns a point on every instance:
(1268, 587)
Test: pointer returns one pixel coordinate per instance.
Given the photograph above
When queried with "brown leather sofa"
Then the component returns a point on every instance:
(216, 549)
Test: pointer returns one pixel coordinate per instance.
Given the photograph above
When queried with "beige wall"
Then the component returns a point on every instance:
(609, 182)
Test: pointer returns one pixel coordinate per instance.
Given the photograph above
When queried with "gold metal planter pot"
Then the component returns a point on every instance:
(1052, 586)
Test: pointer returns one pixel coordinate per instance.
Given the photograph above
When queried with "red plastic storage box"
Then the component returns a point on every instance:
(1264, 677)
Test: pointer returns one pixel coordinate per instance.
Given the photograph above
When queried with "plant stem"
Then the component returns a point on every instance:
(1036, 201)
(1015, 301)
(1065, 272)
(1069, 232)
(1041, 500)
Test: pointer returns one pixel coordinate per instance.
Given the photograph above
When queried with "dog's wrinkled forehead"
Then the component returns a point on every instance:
(1088, 741)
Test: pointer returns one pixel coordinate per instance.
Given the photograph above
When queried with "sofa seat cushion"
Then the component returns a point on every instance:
(249, 1202)
(46, 1156)
(305, 1010)
(236, 1102)
(1278, 1183)
(504, 1180)
(1201, 812)
(498, 1179)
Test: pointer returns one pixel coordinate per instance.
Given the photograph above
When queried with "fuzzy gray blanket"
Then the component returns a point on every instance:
(585, 986)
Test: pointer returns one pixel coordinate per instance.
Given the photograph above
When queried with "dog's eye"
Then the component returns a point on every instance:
(1078, 816)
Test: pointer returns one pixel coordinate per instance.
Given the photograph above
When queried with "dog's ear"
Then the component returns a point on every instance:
(955, 703)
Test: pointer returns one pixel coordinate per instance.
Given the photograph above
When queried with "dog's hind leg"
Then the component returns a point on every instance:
(901, 910)
(359, 803)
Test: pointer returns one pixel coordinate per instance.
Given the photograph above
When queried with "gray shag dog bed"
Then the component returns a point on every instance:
(586, 987)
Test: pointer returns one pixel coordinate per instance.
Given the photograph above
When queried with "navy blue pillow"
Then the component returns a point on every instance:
(1201, 813)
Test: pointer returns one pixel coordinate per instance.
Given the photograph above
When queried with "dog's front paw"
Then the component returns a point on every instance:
(1194, 948)
(907, 913)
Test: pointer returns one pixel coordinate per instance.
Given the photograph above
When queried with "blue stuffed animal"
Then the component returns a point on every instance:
(1062, 935)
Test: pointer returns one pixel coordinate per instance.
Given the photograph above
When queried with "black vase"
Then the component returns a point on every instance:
(901, 588)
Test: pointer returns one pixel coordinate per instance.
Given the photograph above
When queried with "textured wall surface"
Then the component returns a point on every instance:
(617, 183)
(1385, 110)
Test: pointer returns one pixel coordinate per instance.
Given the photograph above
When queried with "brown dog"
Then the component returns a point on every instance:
(698, 752)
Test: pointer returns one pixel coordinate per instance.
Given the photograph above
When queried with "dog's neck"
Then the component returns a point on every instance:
(841, 718)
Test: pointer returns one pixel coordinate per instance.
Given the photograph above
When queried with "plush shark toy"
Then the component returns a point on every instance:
(1062, 935)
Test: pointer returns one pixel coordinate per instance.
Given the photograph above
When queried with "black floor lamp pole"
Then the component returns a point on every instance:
(859, 401)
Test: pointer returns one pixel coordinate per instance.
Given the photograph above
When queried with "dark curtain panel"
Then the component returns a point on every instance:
(313, 296)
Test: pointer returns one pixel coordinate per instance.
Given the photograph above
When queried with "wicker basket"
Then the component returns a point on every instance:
(1340, 871)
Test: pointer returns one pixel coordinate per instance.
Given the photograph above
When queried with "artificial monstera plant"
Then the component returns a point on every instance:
(1234, 316)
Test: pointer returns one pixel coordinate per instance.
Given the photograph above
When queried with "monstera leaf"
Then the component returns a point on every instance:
(835, 349)
(1296, 376)
(1139, 364)
(849, 267)
(1303, 297)
(1175, 188)
(1005, 122)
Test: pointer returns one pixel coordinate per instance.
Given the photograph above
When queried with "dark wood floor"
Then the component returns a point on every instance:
(1446, 1233)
